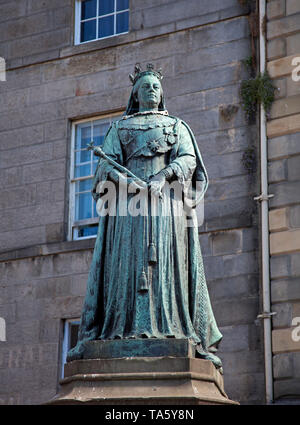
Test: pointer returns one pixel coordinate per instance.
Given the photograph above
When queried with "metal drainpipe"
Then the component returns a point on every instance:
(266, 316)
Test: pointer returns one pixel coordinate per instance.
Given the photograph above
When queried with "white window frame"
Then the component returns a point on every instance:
(66, 341)
(72, 223)
(78, 23)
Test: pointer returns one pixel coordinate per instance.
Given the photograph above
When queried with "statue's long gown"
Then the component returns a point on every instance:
(177, 302)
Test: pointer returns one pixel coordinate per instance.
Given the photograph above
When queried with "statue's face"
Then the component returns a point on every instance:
(149, 92)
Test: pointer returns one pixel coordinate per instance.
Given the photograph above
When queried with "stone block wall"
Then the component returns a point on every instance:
(50, 83)
(283, 46)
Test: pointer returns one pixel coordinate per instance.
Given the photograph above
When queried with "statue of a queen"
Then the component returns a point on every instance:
(147, 278)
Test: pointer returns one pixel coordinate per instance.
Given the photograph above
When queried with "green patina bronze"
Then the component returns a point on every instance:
(147, 278)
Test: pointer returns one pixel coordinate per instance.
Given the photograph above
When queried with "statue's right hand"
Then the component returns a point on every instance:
(126, 181)
(136, 183)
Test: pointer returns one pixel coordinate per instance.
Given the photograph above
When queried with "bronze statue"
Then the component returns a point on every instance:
(147, 278)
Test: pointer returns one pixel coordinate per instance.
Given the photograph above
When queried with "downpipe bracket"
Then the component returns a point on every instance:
(266, 315)
(262, 197)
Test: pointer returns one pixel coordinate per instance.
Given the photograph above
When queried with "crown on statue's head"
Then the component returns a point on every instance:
(138, 73)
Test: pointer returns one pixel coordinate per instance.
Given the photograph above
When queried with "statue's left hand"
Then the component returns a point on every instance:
(156, 184)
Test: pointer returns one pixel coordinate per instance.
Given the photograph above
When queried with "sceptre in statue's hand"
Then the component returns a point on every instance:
(99, 152)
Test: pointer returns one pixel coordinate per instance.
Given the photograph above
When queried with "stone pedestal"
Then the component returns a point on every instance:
(110, 377)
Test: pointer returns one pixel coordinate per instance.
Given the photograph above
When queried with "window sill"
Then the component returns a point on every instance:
(48, 249)
(118, 40)
(100, 44)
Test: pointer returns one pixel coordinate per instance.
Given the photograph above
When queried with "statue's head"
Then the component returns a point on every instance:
(147, 93)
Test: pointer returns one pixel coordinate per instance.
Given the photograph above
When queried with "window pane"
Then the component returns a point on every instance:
(74, 328)
(95, 163)
(122, 4)
(106, 26)
(83, 170)
(88, 30)
(82, 156)
(100, 131)
(94, 210)
(122, 22)
(98, 139)
(84, 231)
(88, 9)
(106, 6)
(83, 135)
(84, 185)
(83, 206)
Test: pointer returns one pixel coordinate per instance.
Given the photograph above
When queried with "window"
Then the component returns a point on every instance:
(95, 19)
(71, 328)
(83, 216)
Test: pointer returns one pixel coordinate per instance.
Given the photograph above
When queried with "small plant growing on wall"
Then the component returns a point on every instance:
(258, 88)
(256, 91)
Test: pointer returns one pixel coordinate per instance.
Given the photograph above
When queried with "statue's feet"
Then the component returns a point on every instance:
(76, 353)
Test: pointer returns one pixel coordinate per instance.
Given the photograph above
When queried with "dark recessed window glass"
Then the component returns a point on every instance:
(74, 327)
(122, 4)
(122, 22)
(88, 9)
(106, 26)
(86, 231)
(88, 30)
(106, 6)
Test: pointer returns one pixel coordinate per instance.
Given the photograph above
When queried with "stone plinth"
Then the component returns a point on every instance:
(146, 379)
(147, 347)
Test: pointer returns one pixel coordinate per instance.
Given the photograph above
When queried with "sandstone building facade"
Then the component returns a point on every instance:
(60, 83)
